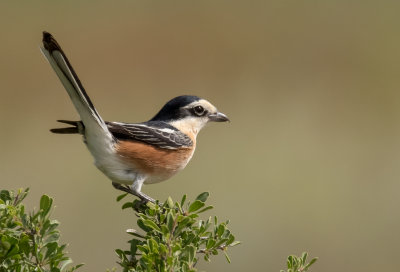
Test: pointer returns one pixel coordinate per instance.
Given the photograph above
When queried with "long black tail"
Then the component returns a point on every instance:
(98, 137)
(76, 129)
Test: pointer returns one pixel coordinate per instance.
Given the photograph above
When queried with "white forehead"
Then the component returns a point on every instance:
(204, 103)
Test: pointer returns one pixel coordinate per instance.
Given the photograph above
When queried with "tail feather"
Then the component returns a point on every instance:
(96, 131)
(61, 65)
(67, 130)
(76, 129)
(57, 54)
(68, 122)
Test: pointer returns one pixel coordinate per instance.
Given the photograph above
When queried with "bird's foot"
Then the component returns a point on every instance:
(143, 197)
(125, 188)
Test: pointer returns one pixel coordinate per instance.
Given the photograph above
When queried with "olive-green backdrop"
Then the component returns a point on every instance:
(309, 162)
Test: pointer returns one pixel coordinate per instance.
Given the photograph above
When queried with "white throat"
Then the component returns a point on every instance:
(190, 125)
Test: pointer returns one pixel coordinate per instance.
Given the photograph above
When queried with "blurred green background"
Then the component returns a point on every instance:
(309, 162)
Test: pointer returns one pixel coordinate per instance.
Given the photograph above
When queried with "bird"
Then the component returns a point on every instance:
(133, 154)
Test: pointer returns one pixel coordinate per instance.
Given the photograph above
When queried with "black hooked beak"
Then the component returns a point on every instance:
(218, 117)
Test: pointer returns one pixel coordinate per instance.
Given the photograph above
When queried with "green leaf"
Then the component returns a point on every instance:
(149, 204)
(153, 246)
(52, 238)
(231, 239)
(205, 209)
(183, 200)
(45, 204)
(65, 263)
(227, 257)
(14, 250)
(235, 243)
(143, 249)
(170, 202)
(310, 263)
(119, 252)
(151, 225)
(120, 197)
(203, 196)
(127, 205)
(53, 225)
(5, 195)
(290, 261)
(51, 249)
(170, 222)
(196, 206)
(134, 243)
(191, 253)
(220, 242)
(210, 243)
(179, 207)
(134, 233)
(141, 224)
(76, 267)
(24, 193)
(220, 230)
(304, 258)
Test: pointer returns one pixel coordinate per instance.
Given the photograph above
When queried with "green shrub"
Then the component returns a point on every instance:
(173, 236)
(29, 242)
(298, 264)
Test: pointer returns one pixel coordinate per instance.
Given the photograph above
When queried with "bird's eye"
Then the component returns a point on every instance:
(199, 110)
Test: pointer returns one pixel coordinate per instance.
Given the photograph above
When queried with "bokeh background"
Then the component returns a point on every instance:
(309, 162)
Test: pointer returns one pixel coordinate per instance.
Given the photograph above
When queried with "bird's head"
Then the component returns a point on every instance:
(189, 113)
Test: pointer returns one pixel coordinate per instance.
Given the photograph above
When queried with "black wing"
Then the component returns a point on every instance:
(155, 133)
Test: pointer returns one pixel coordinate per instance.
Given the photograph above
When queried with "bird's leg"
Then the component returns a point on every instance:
(136, 188)
(121, 187)
(134, 191)
(144, 197)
